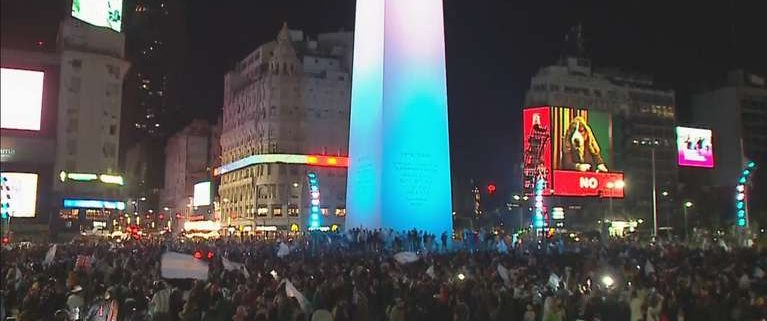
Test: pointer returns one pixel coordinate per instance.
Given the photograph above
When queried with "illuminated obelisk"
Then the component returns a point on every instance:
(399, 166)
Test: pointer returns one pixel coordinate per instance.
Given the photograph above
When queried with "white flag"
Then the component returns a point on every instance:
(758, 272)
(554, 280)
(283, 250)
(182, 266)
(292, 292)
(430, 272)
(648, 268)
(405, 257)
(50, 255)
(234, 266)
(229, 265)
(503, 272)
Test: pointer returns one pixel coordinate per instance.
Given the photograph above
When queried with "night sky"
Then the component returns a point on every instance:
(493, 47)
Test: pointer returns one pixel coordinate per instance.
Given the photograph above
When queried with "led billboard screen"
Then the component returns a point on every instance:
(694, 147)
(19, 193)
(100, 13)
(201, 194)
(572, 150)
(85, 203)
(537, 145)
(21, 100)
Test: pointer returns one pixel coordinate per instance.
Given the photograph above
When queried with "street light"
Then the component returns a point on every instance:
(687, 205)
(616, 185)
(665, 193)
(652, 145)
(608, 281)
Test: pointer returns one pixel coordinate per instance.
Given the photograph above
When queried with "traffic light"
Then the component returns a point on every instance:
(161, 217)
(197, 255)
(6, 240)
(211, 255)
(491, 189)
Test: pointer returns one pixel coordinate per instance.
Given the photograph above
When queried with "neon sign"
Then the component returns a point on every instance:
(89, 177)
(312, 160)
(314, 208)
(85, 203)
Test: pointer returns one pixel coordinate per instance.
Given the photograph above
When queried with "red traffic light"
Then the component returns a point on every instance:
(491, 188)
(161, 217)
(6, 240)
(198, 255)
(210, 255)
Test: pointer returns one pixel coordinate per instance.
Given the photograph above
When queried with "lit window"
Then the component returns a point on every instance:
(340, 211)
(262, 210)
(292, 210)
(277, 211)
(324, 211)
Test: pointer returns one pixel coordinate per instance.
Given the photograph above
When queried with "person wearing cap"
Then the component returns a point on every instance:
(76, 302)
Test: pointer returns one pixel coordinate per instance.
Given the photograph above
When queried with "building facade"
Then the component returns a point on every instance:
(88, 129)
(736, 111)
(286, 102)
(186, 164)
(26, 153)
(643, 126)
(156, 45)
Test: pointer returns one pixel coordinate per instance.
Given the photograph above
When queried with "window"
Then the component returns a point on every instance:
(262, 210)
(74, 84)
(72, 125)
(292, 210)
(277, 211)
(71, 147)
(341, 211)
(109, 150)
(324, 211)
(112, 130)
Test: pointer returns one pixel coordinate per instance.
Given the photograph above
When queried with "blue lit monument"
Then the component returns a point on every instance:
(399, 154)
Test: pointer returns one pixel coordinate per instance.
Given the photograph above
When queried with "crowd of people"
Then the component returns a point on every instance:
(364, 275)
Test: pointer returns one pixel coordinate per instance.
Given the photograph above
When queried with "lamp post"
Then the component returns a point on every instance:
(520, 207)
(652, 144)
(617, 185)
(687, 205)
(654, 195)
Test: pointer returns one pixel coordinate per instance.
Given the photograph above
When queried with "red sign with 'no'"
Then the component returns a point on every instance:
(573, 183)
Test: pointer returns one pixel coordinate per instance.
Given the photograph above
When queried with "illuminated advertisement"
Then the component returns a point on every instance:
(21, 101)
(537, 146)
(201, 194)
(694, 147)
(19, 193)
(314, 208)
(571, 149)
(311, 160)
(399, 151)
(100, 13)
(85, 203)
